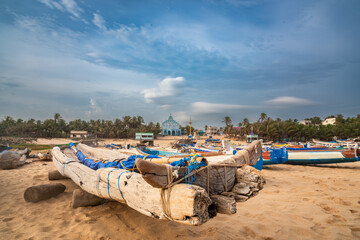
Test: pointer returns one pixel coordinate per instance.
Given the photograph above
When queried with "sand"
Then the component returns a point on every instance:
(298, 202)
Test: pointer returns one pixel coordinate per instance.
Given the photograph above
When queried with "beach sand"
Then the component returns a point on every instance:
(297, 202)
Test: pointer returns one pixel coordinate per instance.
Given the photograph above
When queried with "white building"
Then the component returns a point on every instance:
(78, 134)
(331, 121)
(211, 130)
(305, 122)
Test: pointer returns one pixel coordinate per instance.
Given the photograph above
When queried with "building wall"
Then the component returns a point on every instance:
(170, 127)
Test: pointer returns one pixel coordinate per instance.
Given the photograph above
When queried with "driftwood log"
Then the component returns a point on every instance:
(249, 182)
(181, 203)
(223, 204)
(84, 199)
(43, 192)
(55, 175)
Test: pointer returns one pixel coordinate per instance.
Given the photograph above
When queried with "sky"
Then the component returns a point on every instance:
(206, 59)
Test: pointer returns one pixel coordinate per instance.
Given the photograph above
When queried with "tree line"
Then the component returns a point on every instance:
(291, 130)
(127, 126)
(58, 127)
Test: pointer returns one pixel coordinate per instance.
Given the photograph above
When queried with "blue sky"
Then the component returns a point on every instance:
(204, 59)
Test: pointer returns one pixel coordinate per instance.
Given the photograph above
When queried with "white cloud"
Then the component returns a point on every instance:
(287, 101)
(52, 4)
(71, 7)
(209, 108)
(95, 109)
(64, 5)
(99, 21)
(169, 87)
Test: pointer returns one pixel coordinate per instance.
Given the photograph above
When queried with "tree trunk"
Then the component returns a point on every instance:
(223, 204)
(43, 192)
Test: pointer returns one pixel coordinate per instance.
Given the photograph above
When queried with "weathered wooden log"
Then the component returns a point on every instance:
(250, 175)
(55, 175)
(181, 203)
(243, 188)
(215, 178)
(237, 197)
(249, 182)
(43, 192)
(83, 199)
(9, 160)
(223, 204)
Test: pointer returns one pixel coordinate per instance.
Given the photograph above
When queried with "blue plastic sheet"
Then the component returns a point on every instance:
(128, 164)
(278, 155)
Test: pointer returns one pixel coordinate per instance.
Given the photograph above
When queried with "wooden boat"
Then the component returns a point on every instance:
(156, 191)
(311, 156)
(186, 204)
(218, 176)
(173, 155)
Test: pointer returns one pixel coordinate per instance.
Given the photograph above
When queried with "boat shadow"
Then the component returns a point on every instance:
(332, 166)
(276, 168)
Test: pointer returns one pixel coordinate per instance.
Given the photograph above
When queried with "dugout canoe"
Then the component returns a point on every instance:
(173, 155)
(217, 177)
(182, 203)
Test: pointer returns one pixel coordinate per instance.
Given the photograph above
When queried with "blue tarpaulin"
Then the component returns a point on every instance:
(128, 164)
(278, 155)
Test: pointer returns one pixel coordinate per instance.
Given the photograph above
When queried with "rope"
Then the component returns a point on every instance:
(170, 176)
(208, 180)
(225, 175)
(119, 184)
(203, 168)
(68, 160)
(108, 181)
(246, 156)
(98, 180)
(165, 202)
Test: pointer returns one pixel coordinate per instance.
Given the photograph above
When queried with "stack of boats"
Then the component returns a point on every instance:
(186, 188)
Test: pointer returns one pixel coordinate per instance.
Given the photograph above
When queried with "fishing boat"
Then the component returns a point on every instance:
(303, 156)
(181, 193)
(167, 154)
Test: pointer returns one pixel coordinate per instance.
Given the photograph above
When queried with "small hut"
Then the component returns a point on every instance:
(78, 134)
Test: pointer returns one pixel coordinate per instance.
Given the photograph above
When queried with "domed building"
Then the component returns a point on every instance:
(170, 127)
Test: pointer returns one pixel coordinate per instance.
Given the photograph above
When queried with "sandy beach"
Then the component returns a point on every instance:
(297, 202)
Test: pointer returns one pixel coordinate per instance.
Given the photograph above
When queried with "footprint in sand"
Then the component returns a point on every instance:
(336, 219)
(353, 211)
(46, 229)
(38, 177)
(355, 231)
(249, 233)
(318, 228)
(326, 208)
(7, 219)
(339, 201)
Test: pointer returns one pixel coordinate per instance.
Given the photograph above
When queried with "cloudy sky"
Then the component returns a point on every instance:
(206, 59)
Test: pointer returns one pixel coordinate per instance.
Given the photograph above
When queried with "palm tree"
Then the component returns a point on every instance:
(56, 117)
(227, 121)
(263, 117)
